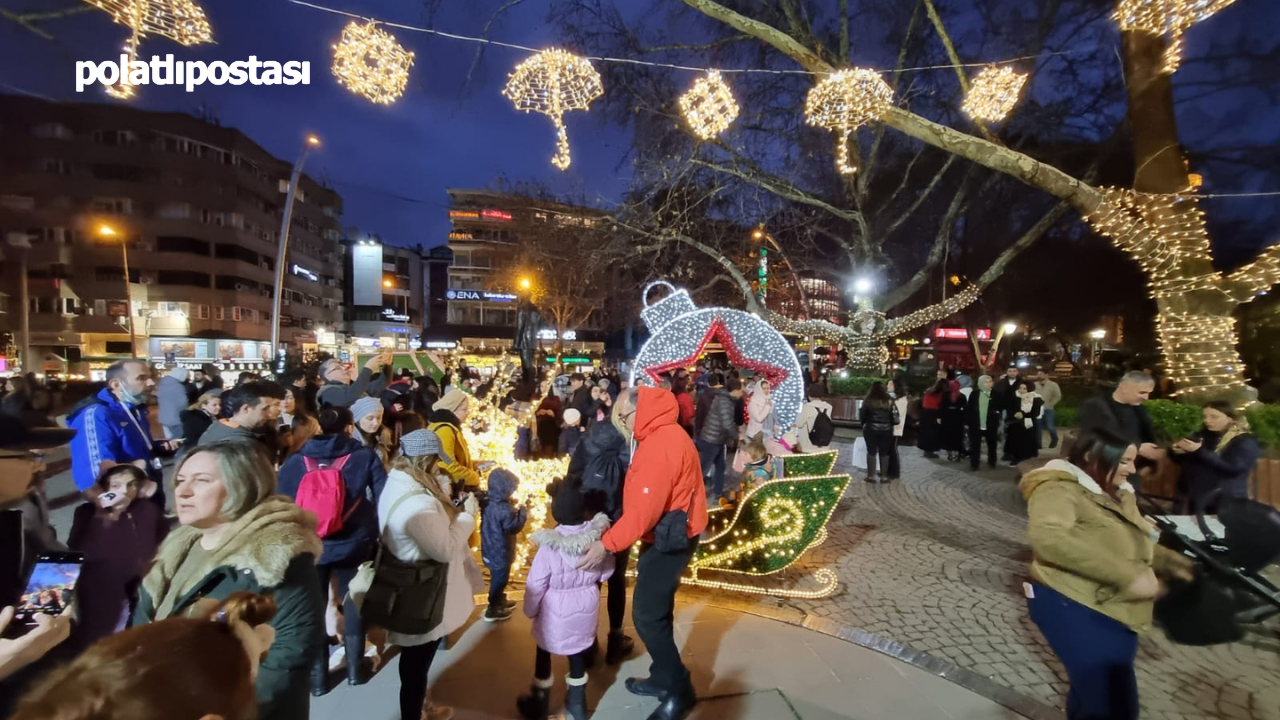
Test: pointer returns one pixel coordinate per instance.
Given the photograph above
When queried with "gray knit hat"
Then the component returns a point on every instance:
(423, 442)
(365, 406)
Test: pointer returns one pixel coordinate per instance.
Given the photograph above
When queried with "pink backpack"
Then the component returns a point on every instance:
(324, 492)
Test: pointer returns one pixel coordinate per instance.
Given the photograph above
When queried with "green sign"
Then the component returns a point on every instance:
(570, 361)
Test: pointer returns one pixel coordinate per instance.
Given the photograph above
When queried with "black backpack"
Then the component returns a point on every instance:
(823, 430)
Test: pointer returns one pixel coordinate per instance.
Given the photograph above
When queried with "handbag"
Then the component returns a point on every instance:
(403, 597)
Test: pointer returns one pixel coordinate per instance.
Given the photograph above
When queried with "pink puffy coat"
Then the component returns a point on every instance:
(563, 601)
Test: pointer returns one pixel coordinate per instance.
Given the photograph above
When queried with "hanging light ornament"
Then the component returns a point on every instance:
(708, 106)
(369, 62)
(844, 101)
(182, 21)
(1166, 17)
(993, 93)
(554, 82)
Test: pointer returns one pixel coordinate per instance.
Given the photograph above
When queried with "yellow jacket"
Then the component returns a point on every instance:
(1088, 546)
(461, 470)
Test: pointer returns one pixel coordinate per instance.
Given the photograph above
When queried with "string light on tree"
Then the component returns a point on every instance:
(1171, 18)
(369, 62)
(182, 21)
(993, 93)
(844, 101)
(708, 106)
(554, 82)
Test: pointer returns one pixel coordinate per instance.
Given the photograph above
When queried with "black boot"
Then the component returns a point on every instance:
(675, 706)
(620, 647)
(357, 669)
(575, 702)
(534, 705)
(593, 654)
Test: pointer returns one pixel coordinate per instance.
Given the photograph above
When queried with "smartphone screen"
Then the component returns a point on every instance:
(50, 587)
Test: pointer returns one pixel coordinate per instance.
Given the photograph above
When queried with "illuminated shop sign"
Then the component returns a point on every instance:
(303, 272)
(500, 215)
(464, 214)
(441, 344)
(551, 335)
(961, 333)
(478, 295)
(391, 314)
(460, 236)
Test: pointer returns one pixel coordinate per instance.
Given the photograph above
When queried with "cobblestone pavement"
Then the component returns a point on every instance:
(936, 562)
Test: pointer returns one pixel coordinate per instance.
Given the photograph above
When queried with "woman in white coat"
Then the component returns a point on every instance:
(418, 523)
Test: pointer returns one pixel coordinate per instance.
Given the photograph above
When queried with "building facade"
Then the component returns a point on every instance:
(385, 290)
(196, 207)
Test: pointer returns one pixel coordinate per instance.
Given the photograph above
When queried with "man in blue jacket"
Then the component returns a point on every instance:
(113, 429)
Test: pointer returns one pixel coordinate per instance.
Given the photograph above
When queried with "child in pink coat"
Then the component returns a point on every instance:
(563, 601)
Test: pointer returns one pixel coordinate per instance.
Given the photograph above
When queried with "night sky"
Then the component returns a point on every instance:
(392, 164)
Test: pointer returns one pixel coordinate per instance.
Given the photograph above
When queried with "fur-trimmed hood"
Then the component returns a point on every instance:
(264, 541)
(572, 540)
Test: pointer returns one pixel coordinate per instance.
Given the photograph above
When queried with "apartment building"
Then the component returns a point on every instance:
(197, 207)
(385, 293)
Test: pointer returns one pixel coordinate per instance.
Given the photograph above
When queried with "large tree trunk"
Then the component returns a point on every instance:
(1195, 326)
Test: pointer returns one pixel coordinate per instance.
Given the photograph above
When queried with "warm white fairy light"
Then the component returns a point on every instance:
(369, 62)
(680, 330)
(993, 93)
(708, 106)
(182, 21)
(554, 82)
(1171, 18)
(844, 101)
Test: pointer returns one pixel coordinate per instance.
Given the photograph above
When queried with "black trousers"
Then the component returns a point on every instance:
(617, 584)
(653, 610)
(976, 439)
(415, 666)
(352, 628)
(880, 446)
(542, 664)
(498, 578)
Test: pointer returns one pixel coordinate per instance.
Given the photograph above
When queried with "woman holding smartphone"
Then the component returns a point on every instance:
(1220, 457)
(1094, 567)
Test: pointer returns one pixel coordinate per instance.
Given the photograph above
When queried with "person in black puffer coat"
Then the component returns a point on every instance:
(878, 415)
(500, 523)
(599, 468)
(364, 477)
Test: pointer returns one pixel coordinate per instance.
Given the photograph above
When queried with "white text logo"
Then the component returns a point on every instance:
(191, 72)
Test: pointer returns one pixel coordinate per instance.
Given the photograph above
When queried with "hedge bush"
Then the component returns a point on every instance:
(852, 385)
(1173, 421)
(1264, 423)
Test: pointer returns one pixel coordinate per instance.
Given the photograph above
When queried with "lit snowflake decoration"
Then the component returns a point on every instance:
(844, 101)
(554, 82)
(708, 106)
(369, 62)
(993, 93)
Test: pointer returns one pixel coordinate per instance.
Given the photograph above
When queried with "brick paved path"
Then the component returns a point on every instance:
(937, 562)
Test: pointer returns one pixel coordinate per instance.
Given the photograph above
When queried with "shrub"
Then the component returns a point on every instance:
(1264, 423)
(1173, 421)
(1066, 416)
(850, 386)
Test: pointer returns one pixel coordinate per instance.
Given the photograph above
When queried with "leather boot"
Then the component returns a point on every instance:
(675, 706)
(357, 669)
(534, 705)
(575, 702)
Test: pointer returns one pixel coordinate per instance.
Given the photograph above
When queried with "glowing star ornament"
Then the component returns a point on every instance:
(844, 101)
(708, 106)
(681, 332)
(1171, 18)
(182, 21)
(554, 82)
(993, 93)
(369, 62)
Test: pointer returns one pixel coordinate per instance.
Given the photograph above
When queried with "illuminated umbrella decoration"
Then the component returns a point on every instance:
(182, 21)
(554, 82)
(844, 101)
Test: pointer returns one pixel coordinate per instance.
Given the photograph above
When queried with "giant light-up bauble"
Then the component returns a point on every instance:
(680, 333)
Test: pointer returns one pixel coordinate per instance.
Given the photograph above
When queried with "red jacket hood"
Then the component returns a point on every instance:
(655, 408)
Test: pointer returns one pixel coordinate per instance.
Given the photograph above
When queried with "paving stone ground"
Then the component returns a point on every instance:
(937, 560)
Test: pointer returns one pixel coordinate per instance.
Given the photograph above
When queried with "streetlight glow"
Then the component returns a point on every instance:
(757, 234)
(106, 231)
(313, 140)
(1010, 328)
(863, 285)
(387, 283)
(525, 284)
(1098, 334)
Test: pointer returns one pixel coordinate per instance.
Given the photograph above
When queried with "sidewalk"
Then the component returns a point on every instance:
(744, 667)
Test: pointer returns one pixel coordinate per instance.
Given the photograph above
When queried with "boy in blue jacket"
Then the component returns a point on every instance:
(500, 522)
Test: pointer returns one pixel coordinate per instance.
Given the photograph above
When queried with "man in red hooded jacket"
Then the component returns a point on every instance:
(665, 475)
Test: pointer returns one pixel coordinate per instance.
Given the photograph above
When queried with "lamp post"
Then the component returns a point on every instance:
(21, 243)
(1097, 336)
(283, 247)
(106, 231)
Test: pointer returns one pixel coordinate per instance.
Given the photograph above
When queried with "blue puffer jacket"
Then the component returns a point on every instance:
(364, 477)
(104, 431)
(501, 520)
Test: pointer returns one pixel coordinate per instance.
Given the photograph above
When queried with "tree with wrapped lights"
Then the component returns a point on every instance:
(1156, 221)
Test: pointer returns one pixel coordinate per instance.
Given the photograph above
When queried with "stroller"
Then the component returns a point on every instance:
(1229, 591)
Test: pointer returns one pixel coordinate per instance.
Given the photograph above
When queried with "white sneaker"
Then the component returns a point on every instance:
(432, 711)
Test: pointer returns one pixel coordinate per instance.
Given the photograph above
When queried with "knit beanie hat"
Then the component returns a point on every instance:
(568, 507)
(572, 417)
(451, 401)
(364, 407)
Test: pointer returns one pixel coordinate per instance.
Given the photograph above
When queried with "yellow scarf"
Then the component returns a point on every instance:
(1231, 434)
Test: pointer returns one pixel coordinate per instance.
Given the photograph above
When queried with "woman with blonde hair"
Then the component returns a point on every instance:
(236, 535)
(191, 668)
(200, 415)
(421, 527)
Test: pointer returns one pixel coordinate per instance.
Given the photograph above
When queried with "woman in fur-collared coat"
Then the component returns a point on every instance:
(235, 535)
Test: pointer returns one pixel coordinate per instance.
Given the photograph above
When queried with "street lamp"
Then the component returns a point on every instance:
(863, 286)
(525, 283)
(1097, 336)
(21, 242)
(311, 142)
(1009, 328)
(108, 232)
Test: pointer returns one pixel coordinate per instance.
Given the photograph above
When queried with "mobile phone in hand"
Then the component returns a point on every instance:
(49, 590)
